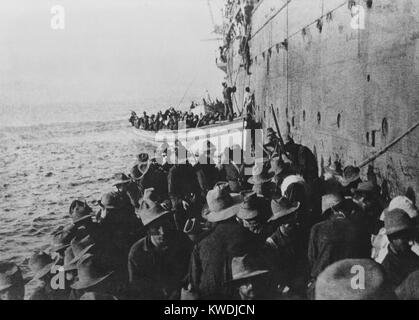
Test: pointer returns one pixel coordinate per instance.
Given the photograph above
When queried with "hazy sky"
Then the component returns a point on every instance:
(109, 51)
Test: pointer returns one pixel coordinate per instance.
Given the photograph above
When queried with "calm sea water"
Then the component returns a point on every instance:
(43, 168)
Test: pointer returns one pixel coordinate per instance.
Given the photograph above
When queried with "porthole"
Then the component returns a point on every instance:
(338, 120)
(384, 127)
(373, 138)
(286, 112)
(293, 121)
(319, 118)
(304, 115)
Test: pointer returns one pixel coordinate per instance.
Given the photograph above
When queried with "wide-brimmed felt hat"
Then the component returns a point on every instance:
(221, 204)
(150, 210)
(336, 281)
(245, 267)
(331, 200)
(61, 240)
(397, 220)
(404, 203)
(282, 207)
(10, 275)
(409, 288)
(250, 207)
(40, 264)
(79, 217)
(121, 178)
(349, 175)
(69, 265)
(89, 273)
(291, 180)
(110, 200)
(259, 175)
(80, 247)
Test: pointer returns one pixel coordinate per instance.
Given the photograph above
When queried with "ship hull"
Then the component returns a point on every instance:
(344, 90)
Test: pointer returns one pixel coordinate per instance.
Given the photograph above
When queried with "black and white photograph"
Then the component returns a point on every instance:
(207, 154)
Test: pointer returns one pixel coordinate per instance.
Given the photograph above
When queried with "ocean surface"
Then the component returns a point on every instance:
(44, 167)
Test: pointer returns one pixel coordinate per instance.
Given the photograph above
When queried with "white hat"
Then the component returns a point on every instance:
(330, 200)
(404, 203)
(289, 181)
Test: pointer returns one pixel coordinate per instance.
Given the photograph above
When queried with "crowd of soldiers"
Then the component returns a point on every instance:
(176, 229)
(172, 119)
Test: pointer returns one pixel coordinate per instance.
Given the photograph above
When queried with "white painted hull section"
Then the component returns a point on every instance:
(223, 135)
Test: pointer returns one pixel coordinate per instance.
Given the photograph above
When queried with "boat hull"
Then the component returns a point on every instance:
(223, 135)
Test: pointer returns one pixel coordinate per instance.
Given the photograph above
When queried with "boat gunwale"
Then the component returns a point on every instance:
(220, 124)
